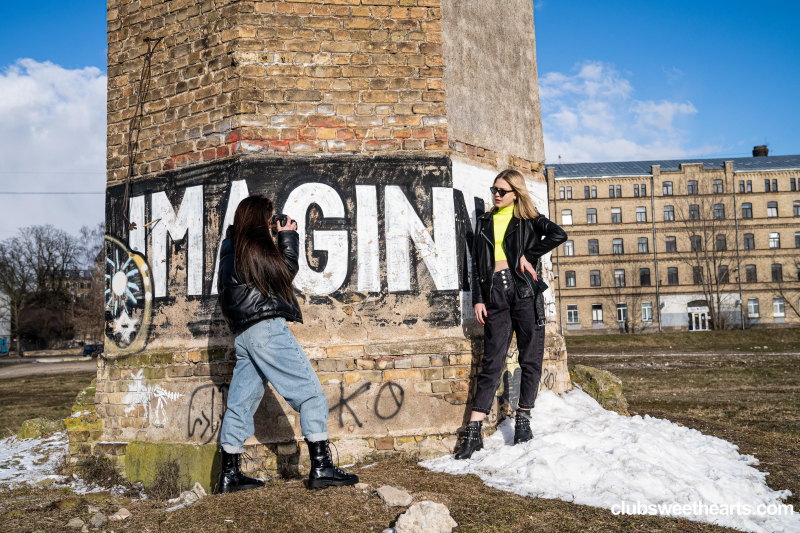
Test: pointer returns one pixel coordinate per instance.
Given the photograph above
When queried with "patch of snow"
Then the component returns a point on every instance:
(181, 506)
(31, 460)
(584, 454)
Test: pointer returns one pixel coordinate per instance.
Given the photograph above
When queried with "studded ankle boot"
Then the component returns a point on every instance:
(473, 441)
(231, 478)
(323, 472)
(522, 428)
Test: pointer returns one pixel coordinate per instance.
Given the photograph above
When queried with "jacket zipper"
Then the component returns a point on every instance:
(491, 281)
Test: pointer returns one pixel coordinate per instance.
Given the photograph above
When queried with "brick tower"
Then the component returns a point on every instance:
(379, 125)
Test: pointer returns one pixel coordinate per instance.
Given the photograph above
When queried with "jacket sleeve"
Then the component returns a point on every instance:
(551, 235)
(289, 244)
(475, 285)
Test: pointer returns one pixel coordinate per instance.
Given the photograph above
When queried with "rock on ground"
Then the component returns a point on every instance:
(394, 497)
(425, 517)
(75, 523)
(601, 385)
(37, 427)
(362, 486)
(98, 520)
(120, 515)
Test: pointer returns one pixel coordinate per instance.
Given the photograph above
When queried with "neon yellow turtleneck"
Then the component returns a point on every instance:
(501, 219)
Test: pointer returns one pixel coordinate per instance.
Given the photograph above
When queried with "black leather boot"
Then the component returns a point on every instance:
(231, 478)
(323, 472)
(473, 440)
(522, 429)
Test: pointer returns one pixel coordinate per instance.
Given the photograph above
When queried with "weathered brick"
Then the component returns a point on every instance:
(394, 375)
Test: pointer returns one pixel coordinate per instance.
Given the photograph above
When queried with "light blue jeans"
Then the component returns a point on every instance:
(268, 352)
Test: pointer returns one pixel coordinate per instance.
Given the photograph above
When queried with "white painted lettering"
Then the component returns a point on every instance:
(136, 236)
(189, 219)
(369, 275)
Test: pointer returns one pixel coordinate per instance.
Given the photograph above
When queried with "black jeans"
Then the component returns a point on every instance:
(508, 314)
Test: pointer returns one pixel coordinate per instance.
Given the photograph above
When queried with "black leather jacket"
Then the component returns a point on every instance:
(242, 305)
(532, 237)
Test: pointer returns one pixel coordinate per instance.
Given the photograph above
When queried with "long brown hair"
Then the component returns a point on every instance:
(257, 258)
(523, 205)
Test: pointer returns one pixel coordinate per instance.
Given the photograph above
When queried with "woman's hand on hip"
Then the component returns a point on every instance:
(291, 225)
(480, 312)
(524, 265)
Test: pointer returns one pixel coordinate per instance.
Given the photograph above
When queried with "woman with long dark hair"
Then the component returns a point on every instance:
(257, 299)
(507, 297)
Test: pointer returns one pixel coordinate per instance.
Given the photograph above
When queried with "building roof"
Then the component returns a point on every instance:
(643, 168)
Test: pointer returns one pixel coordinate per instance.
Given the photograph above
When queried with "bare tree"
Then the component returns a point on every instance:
(787, 286)
(88, 312)
(708, 245)
(16, 283)
(624, 284)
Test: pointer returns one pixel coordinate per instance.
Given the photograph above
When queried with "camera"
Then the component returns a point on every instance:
(279, 217)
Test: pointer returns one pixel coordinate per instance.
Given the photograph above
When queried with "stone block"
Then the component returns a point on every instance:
(403, 362)
(386, 443)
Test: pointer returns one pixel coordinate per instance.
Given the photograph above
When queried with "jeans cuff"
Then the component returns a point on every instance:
(317, 437)
(479, 410)
(520, 406)
(232, 449)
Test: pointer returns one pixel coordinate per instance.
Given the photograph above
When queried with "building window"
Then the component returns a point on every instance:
(749, 185)
(777, 272)
(611, 191)
(749, 241)
(594, 278)
(619, 191)
(644, 277)
(722, 274)
(766, 185)
(594, 247)
(774, 185)
(691, 187)
(716, 186)
(797, 239)
(669, 213)
(747, 210)
(778, 309)
(792, 185)
(721, 243)
(741, 185)
(647, 311)
(619, 278)
(672, 276)
(594, 191)
(591, 216)
(752, 307)
(636, 191)
(694, 212)
(618, 248)
(569, 193)
(750, 274)
(666, 188)
(774, 240)
(597, 313)
(569, 248)
(643, 248)
(697, 243)
(570, 278)
(772, 209)
(796, 208)
(671, 246)
(566, 217)
(719, 211)
(622, 312)
(641, 214)
(697, 275)
(616, 215)
(561, 193)
(586, 192)
(572, 314)
(644, 189)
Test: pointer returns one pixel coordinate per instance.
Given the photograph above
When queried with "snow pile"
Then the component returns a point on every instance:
(584, 454)
(31, 460)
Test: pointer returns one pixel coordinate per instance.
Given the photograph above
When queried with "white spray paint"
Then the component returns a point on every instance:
(334, 242)
(141, 393)
(189, 219)
(438, 253)
(369, 266)
(136, 237)
(238, 193)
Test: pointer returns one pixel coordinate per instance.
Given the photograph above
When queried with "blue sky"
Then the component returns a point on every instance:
(619, 80)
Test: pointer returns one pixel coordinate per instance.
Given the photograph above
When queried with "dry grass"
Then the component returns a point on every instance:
(38, 397)
(167, 484)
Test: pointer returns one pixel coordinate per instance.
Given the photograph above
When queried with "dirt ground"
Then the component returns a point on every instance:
(752, 401)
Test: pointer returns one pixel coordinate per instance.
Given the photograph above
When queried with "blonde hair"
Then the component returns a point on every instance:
(523, 205)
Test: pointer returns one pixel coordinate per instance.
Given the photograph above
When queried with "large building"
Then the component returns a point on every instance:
(677, 245)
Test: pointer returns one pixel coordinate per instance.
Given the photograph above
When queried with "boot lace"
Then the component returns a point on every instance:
(330, 457)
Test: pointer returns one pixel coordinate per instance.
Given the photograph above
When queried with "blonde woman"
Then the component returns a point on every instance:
(507, 297)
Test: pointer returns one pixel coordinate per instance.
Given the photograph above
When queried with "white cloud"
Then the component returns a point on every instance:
(52, 138)
(590, 115)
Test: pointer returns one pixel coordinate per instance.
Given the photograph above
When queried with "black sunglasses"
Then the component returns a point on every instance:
(501, 192)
